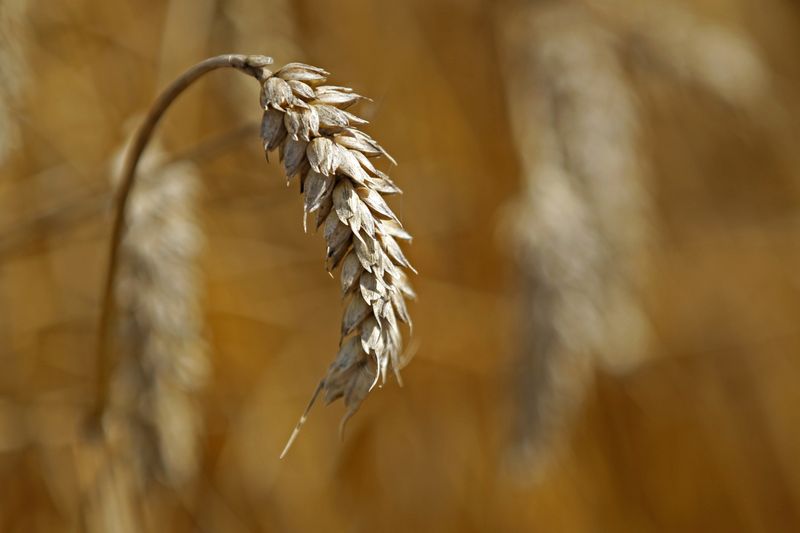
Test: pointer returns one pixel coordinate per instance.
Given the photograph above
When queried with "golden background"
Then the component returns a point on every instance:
(703, 435)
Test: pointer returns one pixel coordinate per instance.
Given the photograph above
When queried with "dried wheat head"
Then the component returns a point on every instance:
(320, 145)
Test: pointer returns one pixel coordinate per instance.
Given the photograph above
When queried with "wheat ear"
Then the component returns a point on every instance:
(319, 144)
(158, 291)
(582, 225)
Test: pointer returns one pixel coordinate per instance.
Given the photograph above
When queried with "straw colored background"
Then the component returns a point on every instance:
(704, 436)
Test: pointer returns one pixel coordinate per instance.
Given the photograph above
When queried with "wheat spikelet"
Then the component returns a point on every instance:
(320, 146)
(164, 364)
(582, 223)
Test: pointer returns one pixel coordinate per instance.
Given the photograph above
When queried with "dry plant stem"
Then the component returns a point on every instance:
(143, 135)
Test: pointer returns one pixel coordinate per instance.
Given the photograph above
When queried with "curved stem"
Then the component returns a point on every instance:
(251, 65)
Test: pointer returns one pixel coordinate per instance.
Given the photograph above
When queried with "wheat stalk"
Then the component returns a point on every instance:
(319, 145)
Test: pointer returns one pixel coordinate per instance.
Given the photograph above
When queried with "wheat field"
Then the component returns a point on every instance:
(604, 201)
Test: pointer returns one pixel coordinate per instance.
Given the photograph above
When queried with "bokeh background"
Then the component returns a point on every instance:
(655, 388)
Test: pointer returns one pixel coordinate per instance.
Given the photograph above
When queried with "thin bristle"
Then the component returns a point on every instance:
(303, 418)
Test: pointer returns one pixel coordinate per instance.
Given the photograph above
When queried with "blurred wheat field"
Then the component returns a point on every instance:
(702, 434)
